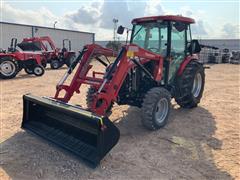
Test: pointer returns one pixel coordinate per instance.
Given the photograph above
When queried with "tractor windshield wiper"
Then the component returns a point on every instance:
(137, 32)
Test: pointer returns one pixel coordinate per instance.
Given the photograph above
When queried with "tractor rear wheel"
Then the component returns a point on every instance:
(8, 68)
(190, 85)
(156, 108)
(70, 60)
(89, 100)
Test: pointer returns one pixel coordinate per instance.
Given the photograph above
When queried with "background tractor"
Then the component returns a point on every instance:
(159, 63)
(17, 57)
(54, 56)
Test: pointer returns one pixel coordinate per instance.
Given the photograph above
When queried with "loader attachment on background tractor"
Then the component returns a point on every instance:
(80, 131)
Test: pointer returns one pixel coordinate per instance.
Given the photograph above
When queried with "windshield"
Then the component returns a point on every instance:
(151, 36)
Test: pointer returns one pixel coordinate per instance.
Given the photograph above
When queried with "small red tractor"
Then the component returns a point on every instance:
(159, 63)
(54, 56)
(18, 57)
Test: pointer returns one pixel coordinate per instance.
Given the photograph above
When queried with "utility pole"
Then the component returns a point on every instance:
(115, 21)
(34, 30)
(54, 25)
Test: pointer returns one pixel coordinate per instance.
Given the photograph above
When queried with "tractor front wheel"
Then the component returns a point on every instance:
(8, 68)
(156, 108)
(28, 70)
(44, 64)
(38, 70)
(89, 100)
(55, 64)
(190, 85)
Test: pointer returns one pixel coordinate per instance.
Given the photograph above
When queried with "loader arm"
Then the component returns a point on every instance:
(112, 83)
(80, 77)
(49, 40)
(108, 86)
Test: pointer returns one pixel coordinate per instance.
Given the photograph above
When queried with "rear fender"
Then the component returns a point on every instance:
(185, 62)
(3, 55)
(29, 63)
(38, 59)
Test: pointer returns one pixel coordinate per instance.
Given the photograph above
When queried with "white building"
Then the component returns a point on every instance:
(20, 31)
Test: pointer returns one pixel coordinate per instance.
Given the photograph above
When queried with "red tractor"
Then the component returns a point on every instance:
(18, 57)
(54, 56)
(159, 63)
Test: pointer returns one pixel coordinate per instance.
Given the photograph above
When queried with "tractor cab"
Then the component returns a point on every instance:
(168, 36)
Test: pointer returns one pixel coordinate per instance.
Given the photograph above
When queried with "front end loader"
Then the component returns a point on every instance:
(87, 134)
(158, 64)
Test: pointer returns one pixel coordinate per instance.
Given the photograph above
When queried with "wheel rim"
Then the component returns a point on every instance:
(37, 70)
(161, 110)
(55, 64)
(197, 85)
(29, 70)
(7, 68)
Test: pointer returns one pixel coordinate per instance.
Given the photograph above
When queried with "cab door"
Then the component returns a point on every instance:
(178, 48)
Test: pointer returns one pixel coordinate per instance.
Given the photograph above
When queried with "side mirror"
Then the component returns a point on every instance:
(120, 30)
(194, 47)
(180, 26)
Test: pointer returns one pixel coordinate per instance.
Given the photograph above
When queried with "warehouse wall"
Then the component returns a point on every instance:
(8, 31)
(78, 40)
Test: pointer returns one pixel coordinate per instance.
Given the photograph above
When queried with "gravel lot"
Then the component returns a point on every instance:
(201, 143)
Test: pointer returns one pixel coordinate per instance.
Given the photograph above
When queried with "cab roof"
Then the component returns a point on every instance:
(179, 18)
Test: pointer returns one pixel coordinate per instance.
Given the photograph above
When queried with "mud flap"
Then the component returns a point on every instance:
(70, 127)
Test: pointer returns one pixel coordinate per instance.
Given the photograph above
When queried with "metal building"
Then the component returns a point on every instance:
(20, 31)
(231, 44)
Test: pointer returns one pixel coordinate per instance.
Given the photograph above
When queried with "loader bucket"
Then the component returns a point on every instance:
(70, 127)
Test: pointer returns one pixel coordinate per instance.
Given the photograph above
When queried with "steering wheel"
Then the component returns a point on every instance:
(153, 49)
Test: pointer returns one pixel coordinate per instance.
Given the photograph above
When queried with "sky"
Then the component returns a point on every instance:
(215, 19)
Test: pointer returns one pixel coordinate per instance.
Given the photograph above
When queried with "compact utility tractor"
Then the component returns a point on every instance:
(67, 54)
(158, 64)
(18, 57)
(54, 56)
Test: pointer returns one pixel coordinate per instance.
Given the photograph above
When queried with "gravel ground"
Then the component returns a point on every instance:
(201, 143)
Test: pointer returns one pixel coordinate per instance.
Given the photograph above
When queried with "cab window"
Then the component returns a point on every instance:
(151, 36)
